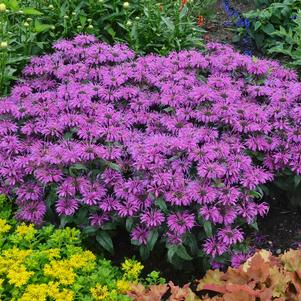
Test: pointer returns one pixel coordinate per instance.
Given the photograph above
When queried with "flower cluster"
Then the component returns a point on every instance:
(170, 142)
(48, 264)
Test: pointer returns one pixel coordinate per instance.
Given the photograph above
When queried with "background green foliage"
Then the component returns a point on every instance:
(29, 27)
(276, 30)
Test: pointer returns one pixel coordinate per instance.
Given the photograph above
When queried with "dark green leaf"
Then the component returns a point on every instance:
(104, 239)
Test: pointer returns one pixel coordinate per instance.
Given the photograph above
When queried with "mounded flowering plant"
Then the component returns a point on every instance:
(172, 148)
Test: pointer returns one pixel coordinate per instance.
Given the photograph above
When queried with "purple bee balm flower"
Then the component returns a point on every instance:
(66, 206)
(140, 233)
(97, 220)
(152, 218)
(214, 247)
(173, 238)
(230, 236)
(127, 135)
(181, 222)
(32, 212)
(29, 191)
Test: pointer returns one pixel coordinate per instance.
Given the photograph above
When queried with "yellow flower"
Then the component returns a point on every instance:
(123, 286)
(18, 275)
(12, 257)
(4, 227)
(85, 259)
(100, 292)
(35, 292)
(132, 269)
(60, 270)
(56, 294)
(26, 232)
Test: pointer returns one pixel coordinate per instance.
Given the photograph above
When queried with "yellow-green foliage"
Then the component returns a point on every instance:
(49, 264)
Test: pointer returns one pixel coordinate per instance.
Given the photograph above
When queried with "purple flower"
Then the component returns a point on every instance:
(230, 236)
(214, 247)
(32, 212)
(66, 206)
(152, 218)
(97, 220)
(181, 222)
(140, 233)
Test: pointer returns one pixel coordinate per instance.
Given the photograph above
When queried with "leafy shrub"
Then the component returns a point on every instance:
(262, 277)
(276, 30)
(51, 264)
(30, 27)
(171, 148)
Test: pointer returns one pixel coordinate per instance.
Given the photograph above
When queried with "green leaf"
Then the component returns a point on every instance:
(39, 27)
(152, 239)
(171, 252)
(82, 20)
(89, 230)
(144, 252)
(208, 228)
(129, 224)
(257, 25)
(297, 180)
(254, 225)
(31, 11)
(268, 29)
(161, 204)
(12, 4)
(104, 239)
(114, 166)
(182, 253)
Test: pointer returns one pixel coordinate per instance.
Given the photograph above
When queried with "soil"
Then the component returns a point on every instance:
(280, 230)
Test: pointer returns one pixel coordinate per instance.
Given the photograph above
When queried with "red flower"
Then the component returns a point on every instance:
(201, 21)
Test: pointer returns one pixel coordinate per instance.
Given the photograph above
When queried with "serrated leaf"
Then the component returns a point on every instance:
(104, 239)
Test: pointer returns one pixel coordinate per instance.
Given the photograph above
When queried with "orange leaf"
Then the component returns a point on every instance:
(211, 277)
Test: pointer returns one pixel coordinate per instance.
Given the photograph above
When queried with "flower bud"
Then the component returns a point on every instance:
(26, 24)
(28, 19)
(129, 23)
(79, 27)
(73, 13)
(2, 7)
(90, 26)
(126, 5)
(52, 27)
(137, 18)
(66, 17)
(50, 6)
(89, 20)
(3, 45)
(21, 12)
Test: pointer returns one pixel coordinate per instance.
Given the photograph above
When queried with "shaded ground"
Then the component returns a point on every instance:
(280, 230)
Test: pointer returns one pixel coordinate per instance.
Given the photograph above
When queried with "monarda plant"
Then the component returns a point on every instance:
(172, 148)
